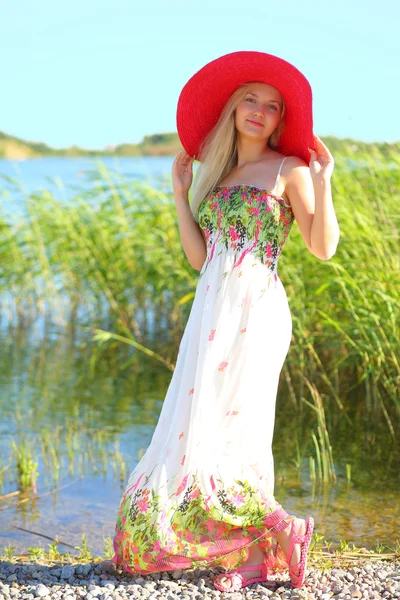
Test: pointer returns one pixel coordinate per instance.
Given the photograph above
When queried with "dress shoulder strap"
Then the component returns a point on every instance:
(279, 172)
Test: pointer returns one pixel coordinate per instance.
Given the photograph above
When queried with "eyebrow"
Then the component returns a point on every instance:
(267, 100)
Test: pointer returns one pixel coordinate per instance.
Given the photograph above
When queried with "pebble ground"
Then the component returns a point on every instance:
(96, 581)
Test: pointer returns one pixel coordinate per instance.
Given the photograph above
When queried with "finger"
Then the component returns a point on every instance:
(188, 165)
(323, 152)
(179, 157)
(183, 163)
(183, 156)
(318, 140)
(320, 143)
(322, 149)
(184, 159)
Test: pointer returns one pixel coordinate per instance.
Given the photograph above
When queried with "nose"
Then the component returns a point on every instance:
(258, 110)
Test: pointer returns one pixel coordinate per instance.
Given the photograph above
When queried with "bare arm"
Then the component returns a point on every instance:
(192, 238)
(325, 228)
(193, 242)
(310, 196)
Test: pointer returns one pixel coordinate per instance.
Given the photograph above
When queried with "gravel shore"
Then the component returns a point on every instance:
(102, 582)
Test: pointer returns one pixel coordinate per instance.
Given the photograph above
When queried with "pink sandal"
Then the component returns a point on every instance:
(241, 581)
(297, 579)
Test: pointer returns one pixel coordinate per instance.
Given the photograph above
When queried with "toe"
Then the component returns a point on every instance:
(223, 581)
(227, 582)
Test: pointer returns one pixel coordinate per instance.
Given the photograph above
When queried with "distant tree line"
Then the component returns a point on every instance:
(164, 144)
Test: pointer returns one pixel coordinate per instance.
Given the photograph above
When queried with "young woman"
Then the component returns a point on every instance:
(202, 494)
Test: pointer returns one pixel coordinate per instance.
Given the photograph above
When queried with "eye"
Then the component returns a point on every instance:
(251, 99)
(273, 106)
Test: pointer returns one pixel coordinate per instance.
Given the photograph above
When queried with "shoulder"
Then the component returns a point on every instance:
(292, 162)
(294, 170)
(297, 180)
(289, 160)
(295, 175)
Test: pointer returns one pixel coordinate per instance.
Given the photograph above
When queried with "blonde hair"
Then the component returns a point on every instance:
(218, 153)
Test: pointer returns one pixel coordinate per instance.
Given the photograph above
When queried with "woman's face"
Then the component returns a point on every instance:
(259, 113)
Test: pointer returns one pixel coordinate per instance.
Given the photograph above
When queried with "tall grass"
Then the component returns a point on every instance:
(112, 258)
(113, 252)
(92, 451)
(26, 467)
(345, 310)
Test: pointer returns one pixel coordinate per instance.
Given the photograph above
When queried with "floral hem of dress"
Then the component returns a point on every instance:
(196, 530)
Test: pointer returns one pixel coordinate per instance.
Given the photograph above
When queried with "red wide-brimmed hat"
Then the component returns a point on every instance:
(205, 94)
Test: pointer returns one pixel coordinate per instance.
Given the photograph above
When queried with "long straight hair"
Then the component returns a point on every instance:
(218, 154)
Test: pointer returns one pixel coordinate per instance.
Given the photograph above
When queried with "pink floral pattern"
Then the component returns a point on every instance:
(186, 532)
(245, 219)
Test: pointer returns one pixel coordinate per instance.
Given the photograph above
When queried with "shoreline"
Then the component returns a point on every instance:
(27, 580)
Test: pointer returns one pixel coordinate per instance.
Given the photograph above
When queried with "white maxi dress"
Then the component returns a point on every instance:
(203, 491)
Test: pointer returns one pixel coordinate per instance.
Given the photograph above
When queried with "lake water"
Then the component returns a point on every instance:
(77, 421)
(65, 176)
(66, 172)
(83, 424)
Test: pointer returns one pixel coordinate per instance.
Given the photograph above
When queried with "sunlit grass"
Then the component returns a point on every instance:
(112, 259)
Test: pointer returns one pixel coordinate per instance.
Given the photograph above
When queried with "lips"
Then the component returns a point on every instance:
(255, 123)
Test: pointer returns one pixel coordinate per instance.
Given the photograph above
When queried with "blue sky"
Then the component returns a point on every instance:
(96, 72)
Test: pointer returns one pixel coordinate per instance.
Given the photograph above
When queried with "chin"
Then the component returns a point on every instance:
(250, 133)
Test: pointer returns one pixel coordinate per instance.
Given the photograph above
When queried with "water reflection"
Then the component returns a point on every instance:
(87, 428)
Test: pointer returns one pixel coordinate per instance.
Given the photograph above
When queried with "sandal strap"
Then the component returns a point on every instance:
(292, 541)
(295, 538)
(298, 539)
(297, 579)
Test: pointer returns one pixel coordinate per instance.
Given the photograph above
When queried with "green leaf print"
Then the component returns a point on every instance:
(236, 214)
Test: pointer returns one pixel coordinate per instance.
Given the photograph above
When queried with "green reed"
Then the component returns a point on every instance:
(26, 467)
(114, 250)
(51, 452)
(91, 452)
(118, 463)
(321, 441)
(3, 470)
(345, 325)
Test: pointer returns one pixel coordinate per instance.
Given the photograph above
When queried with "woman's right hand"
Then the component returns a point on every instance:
(182, 173)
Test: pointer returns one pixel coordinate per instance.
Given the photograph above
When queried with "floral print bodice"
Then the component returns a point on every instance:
(243, 219)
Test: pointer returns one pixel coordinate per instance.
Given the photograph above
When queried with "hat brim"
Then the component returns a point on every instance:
(205, 94)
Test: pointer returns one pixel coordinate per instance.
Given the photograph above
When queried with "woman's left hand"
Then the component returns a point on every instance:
(321, 161)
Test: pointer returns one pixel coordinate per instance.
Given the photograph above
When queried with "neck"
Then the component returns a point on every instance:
(250, 151)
